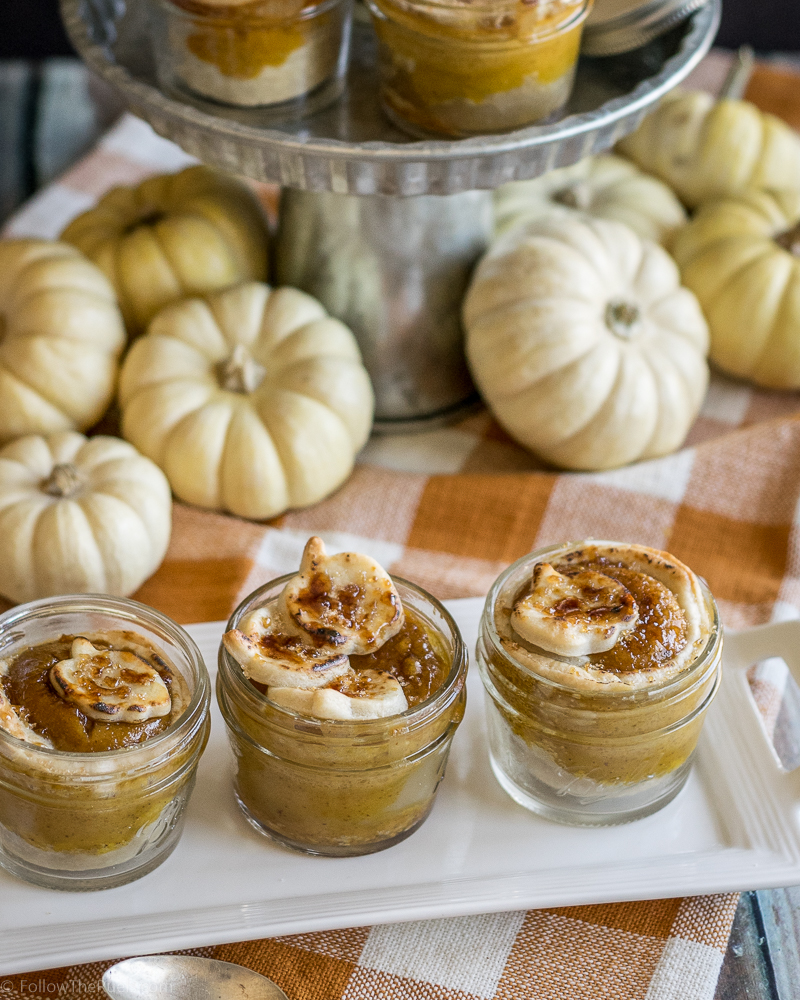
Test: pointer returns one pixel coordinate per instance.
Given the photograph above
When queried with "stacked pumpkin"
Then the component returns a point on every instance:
(580, 335)
(740, 170)
(234, 396)
(74, 515)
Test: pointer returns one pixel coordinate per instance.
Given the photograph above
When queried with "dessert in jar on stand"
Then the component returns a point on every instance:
(287, 55)
(600, 661)
(341, 688)
(104, 713)
(616, 26)
(458, 68)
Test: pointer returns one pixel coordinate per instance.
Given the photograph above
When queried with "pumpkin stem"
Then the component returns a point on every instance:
(240, 372)
(790, 240)
(577, 195)
(63, 482)
(3, 327)
(623, 319)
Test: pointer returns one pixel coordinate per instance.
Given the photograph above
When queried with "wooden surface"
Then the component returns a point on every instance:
(763, 958)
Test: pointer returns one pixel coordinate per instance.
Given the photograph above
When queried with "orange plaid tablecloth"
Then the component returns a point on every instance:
(449, 509)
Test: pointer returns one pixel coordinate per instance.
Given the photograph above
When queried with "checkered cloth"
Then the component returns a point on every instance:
(450, 509)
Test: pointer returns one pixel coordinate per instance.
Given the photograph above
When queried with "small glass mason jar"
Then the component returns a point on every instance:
(286, 57)
(588, 758)
(460, 69)
(341, 788)
(96, 820)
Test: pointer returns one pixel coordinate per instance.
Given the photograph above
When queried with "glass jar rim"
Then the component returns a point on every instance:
(482, 6)
(413, 715)
(487, 8)
(225, 15)
(490, 633)
(188, 719)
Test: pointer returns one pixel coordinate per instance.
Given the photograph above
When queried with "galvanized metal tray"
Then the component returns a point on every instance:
(350, 148)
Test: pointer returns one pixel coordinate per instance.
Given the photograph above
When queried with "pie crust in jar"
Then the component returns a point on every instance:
(343, 755)
(599, 660)
(103, 717)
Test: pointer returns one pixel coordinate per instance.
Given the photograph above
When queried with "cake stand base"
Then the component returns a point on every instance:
(395, 270)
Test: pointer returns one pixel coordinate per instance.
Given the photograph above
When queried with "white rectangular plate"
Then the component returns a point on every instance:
(734, 827)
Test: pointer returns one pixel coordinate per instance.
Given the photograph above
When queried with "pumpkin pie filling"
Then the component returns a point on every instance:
(414, 656)
(26, 681)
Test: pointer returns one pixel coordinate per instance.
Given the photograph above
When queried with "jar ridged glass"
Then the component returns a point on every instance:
(456, 68)
(286, 58)
(589, 759)
(96, 820)
(341, 788)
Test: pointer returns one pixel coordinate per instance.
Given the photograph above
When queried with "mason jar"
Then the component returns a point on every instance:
(588, 758)
(94, 820)
(455, 69)
(616, 26)
(286, 56)
(333, 787)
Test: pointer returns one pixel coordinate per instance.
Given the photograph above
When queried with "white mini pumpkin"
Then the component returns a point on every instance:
(252, 401)
(704, 148)
(608, 187)
(61, 335)
(173, 235)
(79, 515)
(741, 258)
(584, 344)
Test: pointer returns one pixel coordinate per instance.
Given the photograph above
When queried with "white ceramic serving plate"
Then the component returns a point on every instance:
(735, 826)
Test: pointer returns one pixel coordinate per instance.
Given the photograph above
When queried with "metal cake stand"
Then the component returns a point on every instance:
(363, 223)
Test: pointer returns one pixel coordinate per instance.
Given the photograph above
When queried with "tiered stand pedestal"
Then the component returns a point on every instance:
(384, 229)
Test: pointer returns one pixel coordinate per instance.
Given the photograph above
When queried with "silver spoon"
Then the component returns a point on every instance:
(183, 977)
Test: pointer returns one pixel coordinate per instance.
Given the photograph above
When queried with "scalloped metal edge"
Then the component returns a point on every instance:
(407, 169)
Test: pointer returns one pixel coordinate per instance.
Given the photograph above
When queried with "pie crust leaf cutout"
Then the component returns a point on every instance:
(274, 652)
(110, 685)
(370, 694)
(346, 600)
(574, 614)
